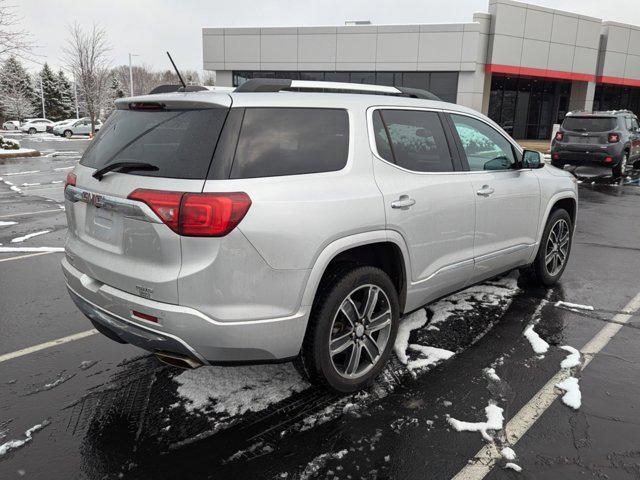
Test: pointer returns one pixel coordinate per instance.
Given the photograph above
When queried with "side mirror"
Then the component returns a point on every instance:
(532, 159)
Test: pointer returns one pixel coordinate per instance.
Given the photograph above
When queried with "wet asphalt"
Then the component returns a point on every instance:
(113, 411)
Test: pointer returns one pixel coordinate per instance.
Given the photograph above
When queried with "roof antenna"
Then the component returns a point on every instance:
(184, 85)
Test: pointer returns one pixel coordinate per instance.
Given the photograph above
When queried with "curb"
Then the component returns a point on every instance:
(11, 154)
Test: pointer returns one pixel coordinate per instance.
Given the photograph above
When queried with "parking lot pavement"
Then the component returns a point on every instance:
(97, 409)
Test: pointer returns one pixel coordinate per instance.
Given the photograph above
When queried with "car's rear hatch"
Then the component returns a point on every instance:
(588, 129)
(160, 142)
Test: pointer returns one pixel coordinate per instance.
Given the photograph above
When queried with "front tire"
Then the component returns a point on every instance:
(554, 250)
(32, 131)
(352, 328)
(68, 133)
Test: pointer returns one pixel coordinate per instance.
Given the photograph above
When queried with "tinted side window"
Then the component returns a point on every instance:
(291, 141)
(417, 140)
(485, 147)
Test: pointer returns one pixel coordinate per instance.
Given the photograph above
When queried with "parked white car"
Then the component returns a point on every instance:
(76, 127)
(11, 125)
(35, 125)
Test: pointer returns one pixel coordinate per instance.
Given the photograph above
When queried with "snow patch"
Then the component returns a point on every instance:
(6, 224)
(538, 344)
(508, 453)
(494, 422)
(513, 466)
(430, 356)
(30, 184)
(574, 305)
(491, 374)
(14, 444)
(409, 323)
(29, 235)
(572, 396)
(572, 360)
(237, 390)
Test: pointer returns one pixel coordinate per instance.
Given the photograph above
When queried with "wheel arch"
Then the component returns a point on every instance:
(567, 200)
(383, 249)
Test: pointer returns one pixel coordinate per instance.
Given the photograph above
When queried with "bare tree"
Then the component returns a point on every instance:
(87, 54)
(13, 40)
(16, 104)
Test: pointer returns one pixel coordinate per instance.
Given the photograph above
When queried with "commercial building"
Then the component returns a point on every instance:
(523, 65)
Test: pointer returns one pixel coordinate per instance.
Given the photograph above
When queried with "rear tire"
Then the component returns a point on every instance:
(32, 131)
(553, 252)
(352, 329)
(621, 168)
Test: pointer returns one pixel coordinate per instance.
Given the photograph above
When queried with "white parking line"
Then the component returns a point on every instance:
(486, 458)
(30, 213)
(42, 346)
(20, 257)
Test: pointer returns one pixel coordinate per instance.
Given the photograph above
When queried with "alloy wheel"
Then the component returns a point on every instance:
(557, 248)
(360, 331)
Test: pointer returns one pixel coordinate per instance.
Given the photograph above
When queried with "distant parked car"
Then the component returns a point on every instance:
(59, 123)
(609, 140)
(78, 127)
(36, 125)
(11, 125)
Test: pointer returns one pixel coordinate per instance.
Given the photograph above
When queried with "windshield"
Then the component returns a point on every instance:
(179, 142)
(589, 124)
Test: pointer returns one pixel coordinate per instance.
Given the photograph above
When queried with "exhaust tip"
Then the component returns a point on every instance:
(179, 361)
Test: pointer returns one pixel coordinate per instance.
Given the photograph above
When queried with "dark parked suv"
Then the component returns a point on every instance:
(598, 139)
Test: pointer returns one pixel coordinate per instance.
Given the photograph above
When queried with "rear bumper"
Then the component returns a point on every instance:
(587, 158)
(183, 330)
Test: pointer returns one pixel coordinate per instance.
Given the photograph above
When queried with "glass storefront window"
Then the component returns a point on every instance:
(528, 107)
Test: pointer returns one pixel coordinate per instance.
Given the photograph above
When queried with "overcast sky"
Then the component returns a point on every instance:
(150, 27)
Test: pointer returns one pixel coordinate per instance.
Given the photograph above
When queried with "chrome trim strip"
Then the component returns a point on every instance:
(128, 208)
(446, 268)
(504, 251)
(142, 327)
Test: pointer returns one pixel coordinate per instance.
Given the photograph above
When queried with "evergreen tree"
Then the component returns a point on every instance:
(116, 88)
(53, 103)
(67, 100)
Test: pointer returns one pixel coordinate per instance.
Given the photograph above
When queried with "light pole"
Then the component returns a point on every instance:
(131, 72)
(75, 94)
(42, 98)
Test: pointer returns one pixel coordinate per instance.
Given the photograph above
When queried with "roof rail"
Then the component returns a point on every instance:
(280, 84)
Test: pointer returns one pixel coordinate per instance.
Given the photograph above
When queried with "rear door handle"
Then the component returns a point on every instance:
(404, 202)
(485, 191)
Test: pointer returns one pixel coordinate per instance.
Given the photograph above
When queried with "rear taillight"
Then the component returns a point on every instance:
(614, 137)
(71, 180)
(559, 136)
(212, 214)
(165, 204)
(608, 160)
(196, 214)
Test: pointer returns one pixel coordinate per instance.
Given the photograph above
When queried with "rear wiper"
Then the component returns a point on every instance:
(123, 167)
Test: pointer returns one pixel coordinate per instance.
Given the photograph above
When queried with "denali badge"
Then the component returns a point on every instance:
(144, 292)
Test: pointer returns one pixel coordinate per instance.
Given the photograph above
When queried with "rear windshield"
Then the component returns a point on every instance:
(291, 141)
(179, 142)
(589, 124)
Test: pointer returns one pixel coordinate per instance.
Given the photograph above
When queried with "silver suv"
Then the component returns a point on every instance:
(274, 223)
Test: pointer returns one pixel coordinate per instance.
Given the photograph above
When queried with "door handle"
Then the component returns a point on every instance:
(404, 202)
(485, 191)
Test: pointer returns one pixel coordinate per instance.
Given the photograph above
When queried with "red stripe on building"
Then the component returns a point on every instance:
(627, 82)
(539, 72)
